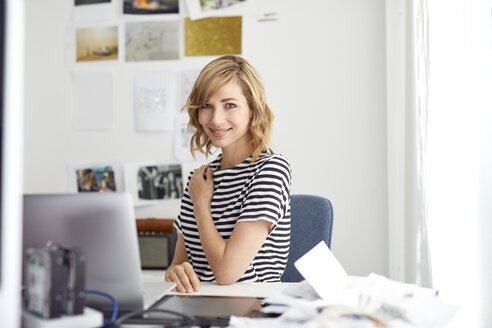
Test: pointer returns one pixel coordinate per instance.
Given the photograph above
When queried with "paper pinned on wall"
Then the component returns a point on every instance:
(198, 9)
(182, 135)
(91, 10)
(155, 40)
(92, 100)
(153, 98)
(154, 182)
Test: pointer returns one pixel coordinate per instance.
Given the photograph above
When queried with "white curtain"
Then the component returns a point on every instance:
(421, 68)
(407, 101)
(459, 156)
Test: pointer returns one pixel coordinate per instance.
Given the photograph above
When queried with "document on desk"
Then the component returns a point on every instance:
(323, 272)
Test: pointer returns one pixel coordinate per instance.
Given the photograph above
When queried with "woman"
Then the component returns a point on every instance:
(234, 223)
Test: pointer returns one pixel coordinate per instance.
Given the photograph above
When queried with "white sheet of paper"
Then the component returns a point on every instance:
(153, 98)
(91, 12)
(92, 100)
(323, 272)
(182, 136)
(195, 10)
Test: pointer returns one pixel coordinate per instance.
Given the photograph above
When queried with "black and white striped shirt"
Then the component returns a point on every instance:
(246, 192)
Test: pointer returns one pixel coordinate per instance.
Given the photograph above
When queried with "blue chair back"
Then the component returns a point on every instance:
(311, 222)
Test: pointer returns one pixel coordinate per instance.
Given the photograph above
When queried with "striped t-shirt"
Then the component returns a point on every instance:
(246, 192)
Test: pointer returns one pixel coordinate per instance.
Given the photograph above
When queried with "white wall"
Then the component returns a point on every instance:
(323, 65)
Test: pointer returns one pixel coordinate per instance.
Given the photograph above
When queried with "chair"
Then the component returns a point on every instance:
(311, 222)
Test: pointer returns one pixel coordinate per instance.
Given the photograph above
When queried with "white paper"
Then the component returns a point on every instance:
(200, 9)
(92, 100)
(323, 272)
(153, 97)
(152, 40)
(186, 81)
(182, 136)
(92, 12)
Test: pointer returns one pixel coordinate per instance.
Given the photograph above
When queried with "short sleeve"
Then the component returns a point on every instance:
(268, 194)
(186, 206)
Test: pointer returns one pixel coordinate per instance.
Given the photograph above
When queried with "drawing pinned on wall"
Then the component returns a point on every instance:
(91, 10)
(92, 100)
(154, 182)
(213, 36)
(149, 7)
(153, 97)
(95, 177)
(96, 43)
(182, 136)
(198, 9)
(148, 41)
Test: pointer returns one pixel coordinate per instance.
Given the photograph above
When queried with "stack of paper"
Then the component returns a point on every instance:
(330, 298)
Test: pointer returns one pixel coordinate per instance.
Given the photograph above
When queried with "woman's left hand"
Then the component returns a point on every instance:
(201, 189)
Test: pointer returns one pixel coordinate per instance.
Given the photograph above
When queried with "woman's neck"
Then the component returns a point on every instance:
(232, 157)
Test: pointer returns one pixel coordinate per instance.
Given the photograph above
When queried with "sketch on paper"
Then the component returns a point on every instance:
(198, 9)
(96, 179)
(146, 7)
(182, 136)
(208, 5)
(97, 43)
(153, 96)
(147, 41)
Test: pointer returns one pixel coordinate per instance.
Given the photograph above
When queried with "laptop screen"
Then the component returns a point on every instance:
(104, 226)
(209, 307)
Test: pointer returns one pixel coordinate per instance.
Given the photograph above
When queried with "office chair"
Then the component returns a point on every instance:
(311, 222)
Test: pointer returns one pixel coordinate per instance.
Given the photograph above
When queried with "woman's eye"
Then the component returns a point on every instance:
(206, 106)
(229, 105)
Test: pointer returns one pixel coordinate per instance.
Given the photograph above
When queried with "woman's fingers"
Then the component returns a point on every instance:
(193, 278)
(185, 278)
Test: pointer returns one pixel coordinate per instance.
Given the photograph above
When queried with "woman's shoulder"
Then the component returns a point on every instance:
(274, 158)
(274, 162)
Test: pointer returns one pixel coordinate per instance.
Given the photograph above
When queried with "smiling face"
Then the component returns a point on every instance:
(226, 117)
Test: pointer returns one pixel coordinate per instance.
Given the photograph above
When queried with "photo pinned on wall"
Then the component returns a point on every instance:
(198, 9)
(149, 41)
(96, 43)
(213, 36)
(153, 96)
(95, 177)
(91, 10)
(151, 183)
(150, 7)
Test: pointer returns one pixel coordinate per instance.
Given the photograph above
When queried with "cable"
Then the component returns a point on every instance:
(115, 306)
(187, 321)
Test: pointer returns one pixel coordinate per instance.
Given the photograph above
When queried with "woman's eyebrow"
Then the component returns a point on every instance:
(228, 99)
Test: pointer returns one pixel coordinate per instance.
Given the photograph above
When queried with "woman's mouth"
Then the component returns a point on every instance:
(219, 132)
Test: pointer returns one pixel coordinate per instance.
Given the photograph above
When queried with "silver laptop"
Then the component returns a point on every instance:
(103, 225)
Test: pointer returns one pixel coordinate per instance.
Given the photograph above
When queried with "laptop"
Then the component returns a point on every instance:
(103, 225)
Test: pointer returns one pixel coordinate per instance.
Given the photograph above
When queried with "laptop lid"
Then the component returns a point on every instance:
(103, 225)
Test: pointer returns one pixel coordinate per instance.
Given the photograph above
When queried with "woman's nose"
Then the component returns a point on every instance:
(218, 115)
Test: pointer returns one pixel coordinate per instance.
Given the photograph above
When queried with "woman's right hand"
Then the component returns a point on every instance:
(184, 276)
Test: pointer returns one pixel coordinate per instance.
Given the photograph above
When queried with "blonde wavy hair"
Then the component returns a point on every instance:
(216, 74)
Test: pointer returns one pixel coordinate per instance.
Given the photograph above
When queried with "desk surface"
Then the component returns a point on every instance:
(252, 289)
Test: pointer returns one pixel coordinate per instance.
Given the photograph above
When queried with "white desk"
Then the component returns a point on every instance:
(251, 289)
